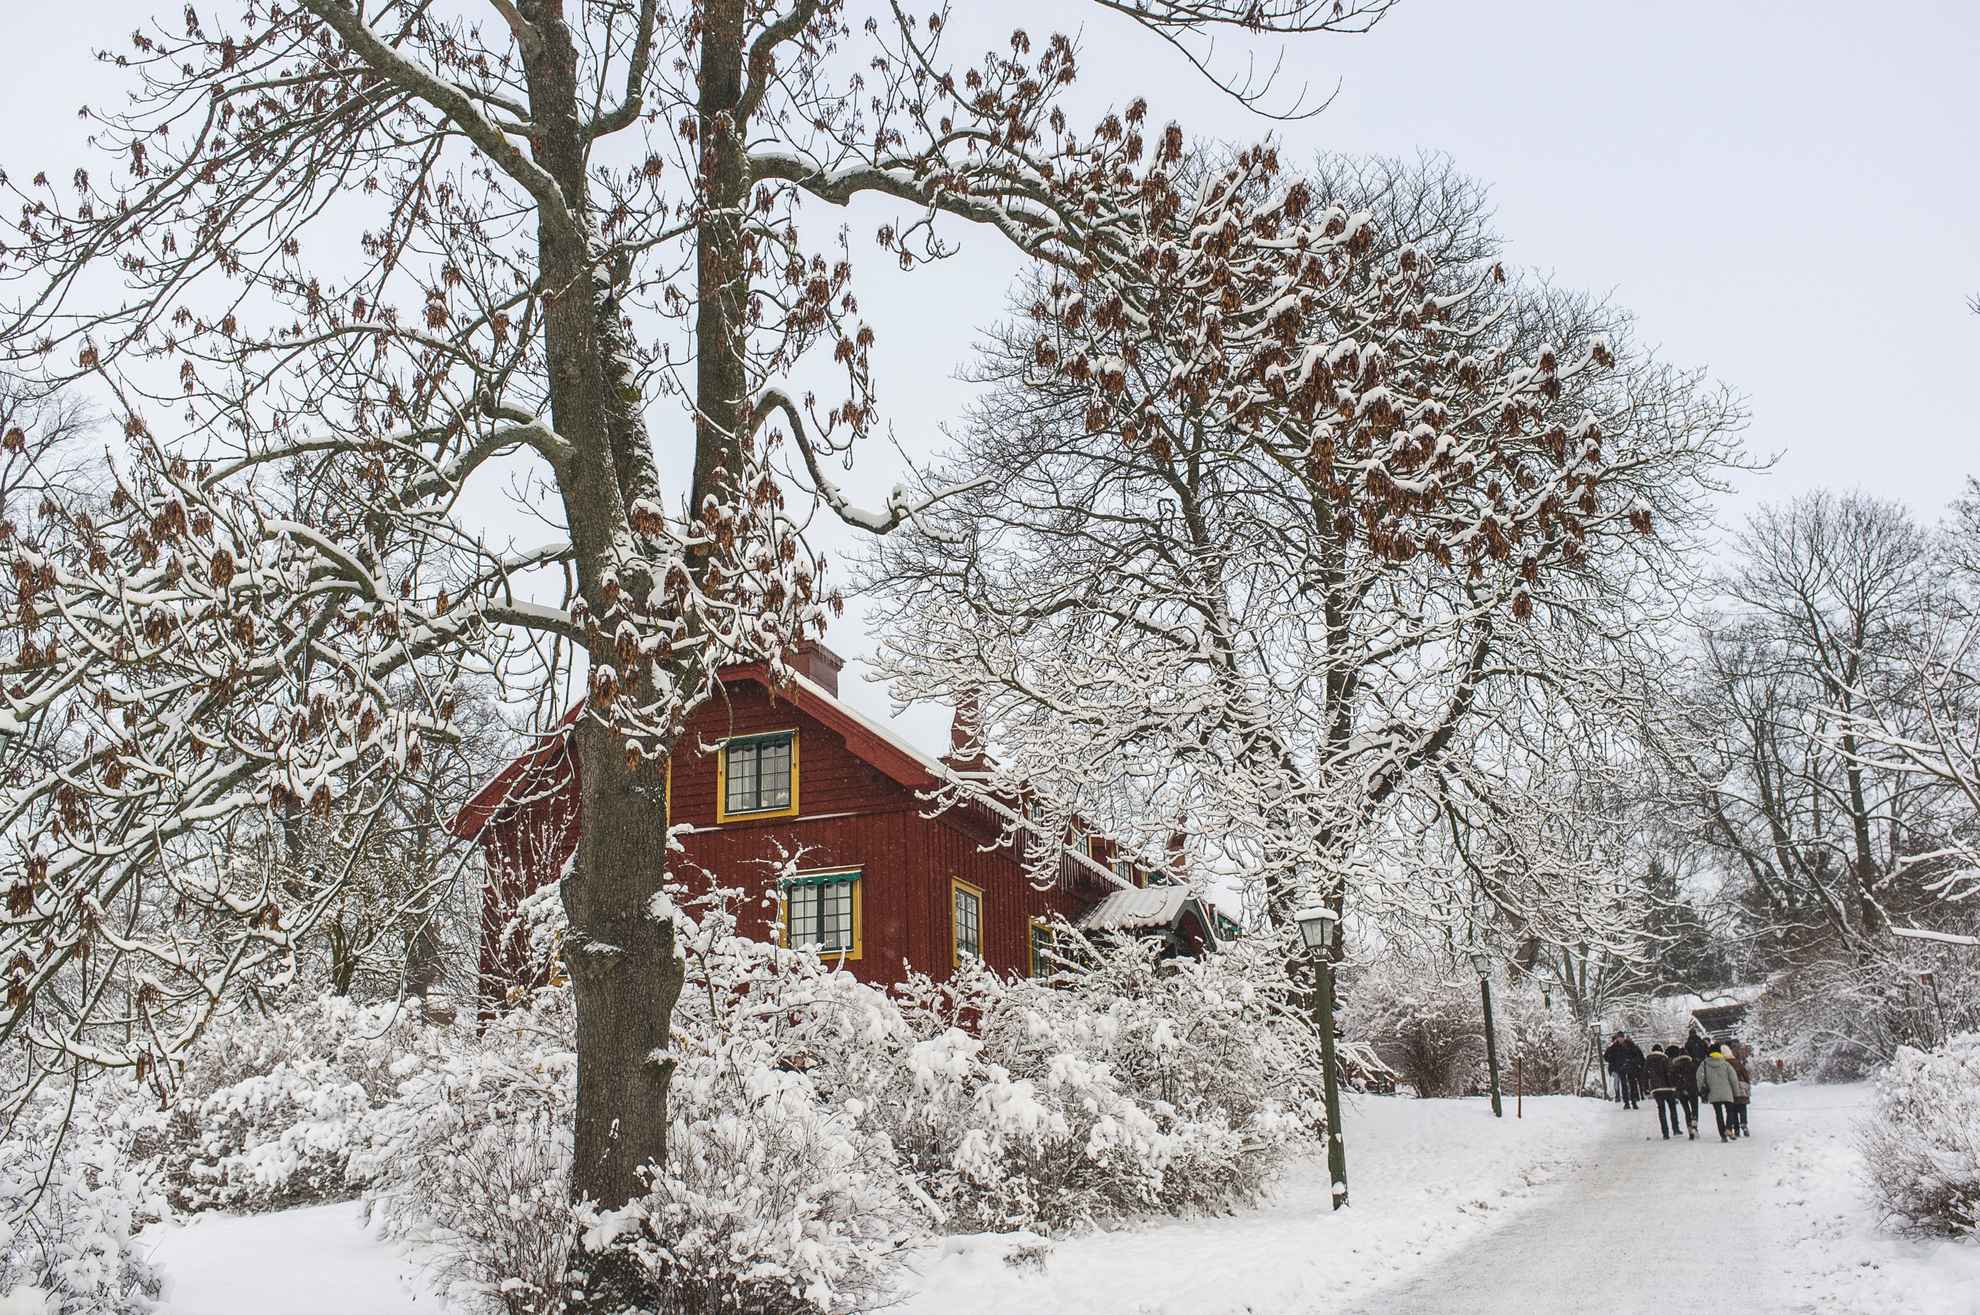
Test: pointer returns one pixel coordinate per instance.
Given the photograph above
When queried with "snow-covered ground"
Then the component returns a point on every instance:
(1578, 1206)
(1846, 1265)
(315, 1261)
(1427, 1177)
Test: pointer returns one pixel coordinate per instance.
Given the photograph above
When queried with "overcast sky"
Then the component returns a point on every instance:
(1786, 193)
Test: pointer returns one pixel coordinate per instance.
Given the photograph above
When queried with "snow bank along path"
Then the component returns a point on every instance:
(319, 1260)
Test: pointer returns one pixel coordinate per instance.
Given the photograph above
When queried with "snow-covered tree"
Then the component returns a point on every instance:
(343, 273)
(1914, 722)
(1422, 1017)
(1535, 841)
(1809, 692)
(1262, 535)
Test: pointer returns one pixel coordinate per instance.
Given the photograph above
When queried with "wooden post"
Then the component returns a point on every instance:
(1519, 1083)
(1491, 1045)
(1931, 979)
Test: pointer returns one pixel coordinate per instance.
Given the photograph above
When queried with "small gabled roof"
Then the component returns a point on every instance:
(1150, 908)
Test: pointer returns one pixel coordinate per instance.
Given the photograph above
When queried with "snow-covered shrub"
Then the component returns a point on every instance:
(1836, 1018)
(782, 1192)
(1133, 1085)
(271, 1105)
(1425, 1021)
(818, 1126)
(1921, 1141)
(71, 1203)
(470, 1160)
(1543, 1048)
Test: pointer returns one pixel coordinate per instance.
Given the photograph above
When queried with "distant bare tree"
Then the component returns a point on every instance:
(1828, 603)
(1923, 726)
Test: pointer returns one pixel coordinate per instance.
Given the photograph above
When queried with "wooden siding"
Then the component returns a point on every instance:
(850, 814)
(523, 850)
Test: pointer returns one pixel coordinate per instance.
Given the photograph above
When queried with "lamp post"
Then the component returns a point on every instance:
(1319, 931)
(1483, 963)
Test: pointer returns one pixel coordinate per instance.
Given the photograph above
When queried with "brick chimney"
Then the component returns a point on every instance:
(818, 664)
(965, 754)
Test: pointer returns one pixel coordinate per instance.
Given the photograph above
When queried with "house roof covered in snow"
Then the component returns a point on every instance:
(549, 763)
(1152, 908)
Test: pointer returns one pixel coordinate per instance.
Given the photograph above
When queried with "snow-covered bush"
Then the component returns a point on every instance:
(1921, 1141)
(271, 1106)
(1548, 1047)
(1130, 1086)
(1835, 1018)
(818, 1126)
(782, 1192)
(71, 1203)
(1423, 1020)
(470, 1160)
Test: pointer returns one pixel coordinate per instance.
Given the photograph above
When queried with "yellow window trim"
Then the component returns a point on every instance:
(859, 912)
(982, 928)
(1031, 945)
(722, 813)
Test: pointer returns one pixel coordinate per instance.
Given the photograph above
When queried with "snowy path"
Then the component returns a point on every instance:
(1692, 1213)
(1774, 1225)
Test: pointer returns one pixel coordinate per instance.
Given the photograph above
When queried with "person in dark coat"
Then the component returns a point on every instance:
(1684, 1079)
(1695, 1046)
(1657, 1080)
(1737, 1054)
(1632, 1073)
(1614, 1058)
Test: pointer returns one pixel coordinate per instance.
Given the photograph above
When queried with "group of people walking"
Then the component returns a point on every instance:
(1677, 1077)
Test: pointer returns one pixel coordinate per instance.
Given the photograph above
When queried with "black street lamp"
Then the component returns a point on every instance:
(1483, 963)
(1319, 931)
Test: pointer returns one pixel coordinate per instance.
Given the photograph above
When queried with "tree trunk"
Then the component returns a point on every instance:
(620, 953)
(1324, 1006)
(626, 978)
(343, 958)
(721, 382)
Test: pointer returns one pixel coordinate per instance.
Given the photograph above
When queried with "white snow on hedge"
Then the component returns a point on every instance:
(1431, 1179)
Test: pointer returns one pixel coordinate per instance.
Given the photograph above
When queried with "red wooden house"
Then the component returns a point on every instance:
(882, 885)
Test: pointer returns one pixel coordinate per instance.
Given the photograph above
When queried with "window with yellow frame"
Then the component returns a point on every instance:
(756, 776)
(965, 921)
(821, 911)
(1043, 950)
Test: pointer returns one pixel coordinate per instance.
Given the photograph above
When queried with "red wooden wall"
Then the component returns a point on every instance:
(850, 814)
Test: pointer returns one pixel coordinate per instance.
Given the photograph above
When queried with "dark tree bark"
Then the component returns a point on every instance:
(624, 973)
